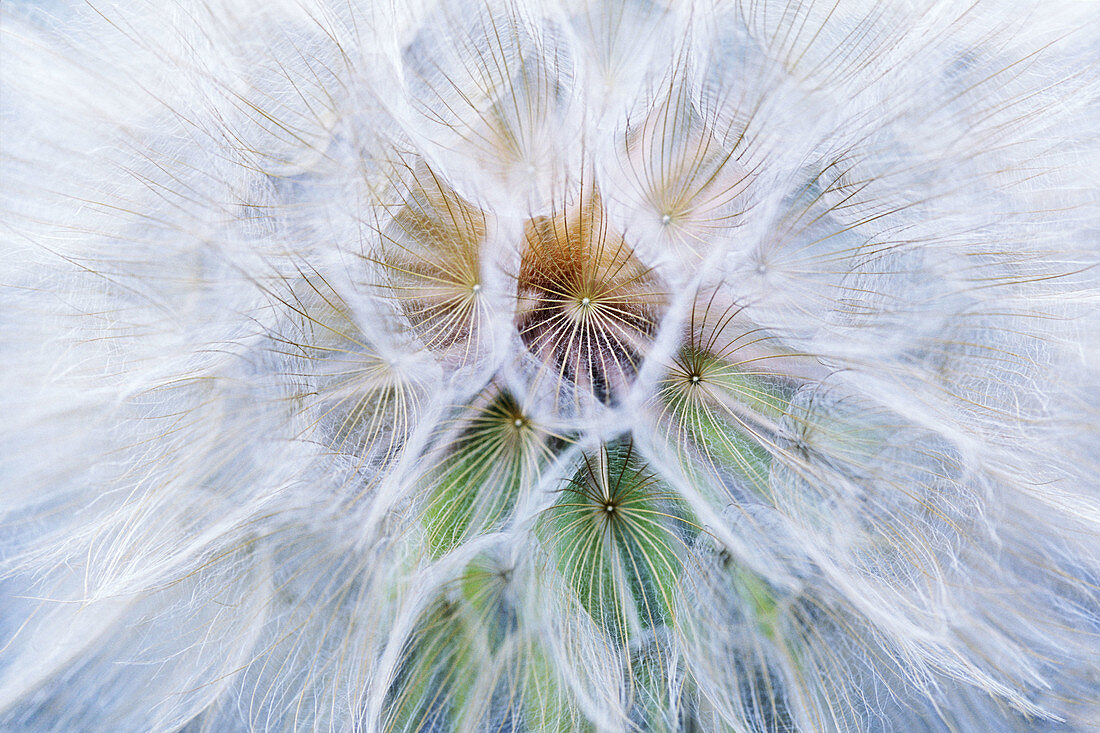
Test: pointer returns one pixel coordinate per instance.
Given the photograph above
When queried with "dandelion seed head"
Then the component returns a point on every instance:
(619, 365)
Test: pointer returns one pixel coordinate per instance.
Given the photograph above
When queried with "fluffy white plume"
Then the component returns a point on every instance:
(549, 365)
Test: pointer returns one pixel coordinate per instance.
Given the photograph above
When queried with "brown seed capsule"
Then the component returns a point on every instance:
(588, 308)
